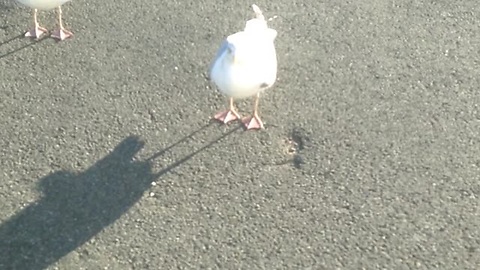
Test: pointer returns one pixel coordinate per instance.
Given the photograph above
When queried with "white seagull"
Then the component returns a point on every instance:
(61, 33)
(246, 65)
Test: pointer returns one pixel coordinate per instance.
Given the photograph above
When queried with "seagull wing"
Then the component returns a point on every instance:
(220, 53)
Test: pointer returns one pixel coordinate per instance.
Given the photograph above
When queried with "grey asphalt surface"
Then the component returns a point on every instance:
(370, 158)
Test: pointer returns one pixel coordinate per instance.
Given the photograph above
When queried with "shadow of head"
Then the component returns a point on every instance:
(113, 183)
(73, 208)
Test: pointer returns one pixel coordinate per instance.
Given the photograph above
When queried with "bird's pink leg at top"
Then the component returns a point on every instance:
(228, 115)
(38, 30)
(61, 33)
(254, 121)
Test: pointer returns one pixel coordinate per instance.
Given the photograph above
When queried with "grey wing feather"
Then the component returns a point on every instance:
(220, 52)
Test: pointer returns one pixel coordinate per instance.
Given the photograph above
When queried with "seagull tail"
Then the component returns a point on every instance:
(258, 12)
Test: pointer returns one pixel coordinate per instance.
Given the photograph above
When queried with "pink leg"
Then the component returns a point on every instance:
(38, 30)
(228, 115)
(254, 121)
(61, 33)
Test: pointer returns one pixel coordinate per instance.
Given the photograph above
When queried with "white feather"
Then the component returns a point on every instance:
(246, 62)
(43, 4)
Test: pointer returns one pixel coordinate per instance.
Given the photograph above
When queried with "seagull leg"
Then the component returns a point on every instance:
(61, 33)
(38, 30)
(228, 115)
(254, 121)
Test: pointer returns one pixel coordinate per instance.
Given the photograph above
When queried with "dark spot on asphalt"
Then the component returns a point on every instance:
(298, 140)
(298, 161)
(300, 137)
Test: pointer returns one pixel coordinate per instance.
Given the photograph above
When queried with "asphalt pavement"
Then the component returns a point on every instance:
(370, 158)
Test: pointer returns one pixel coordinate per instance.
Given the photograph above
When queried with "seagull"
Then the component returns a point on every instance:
(61, 33)
(245, 66)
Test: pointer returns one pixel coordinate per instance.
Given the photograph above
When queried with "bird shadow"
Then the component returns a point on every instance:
(74, 207)
(20, 36)
(8, 7)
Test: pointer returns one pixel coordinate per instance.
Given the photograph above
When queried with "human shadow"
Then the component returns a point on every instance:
(77, 206)
(74, 208)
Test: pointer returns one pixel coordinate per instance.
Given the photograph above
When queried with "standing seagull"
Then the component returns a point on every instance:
(61, 33)
(246, 65)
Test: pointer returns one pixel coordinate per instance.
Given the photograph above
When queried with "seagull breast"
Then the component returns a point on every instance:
(43, 4)
(246, 65)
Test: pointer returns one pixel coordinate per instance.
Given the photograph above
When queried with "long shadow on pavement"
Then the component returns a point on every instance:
(21, 36)
(77, 206)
